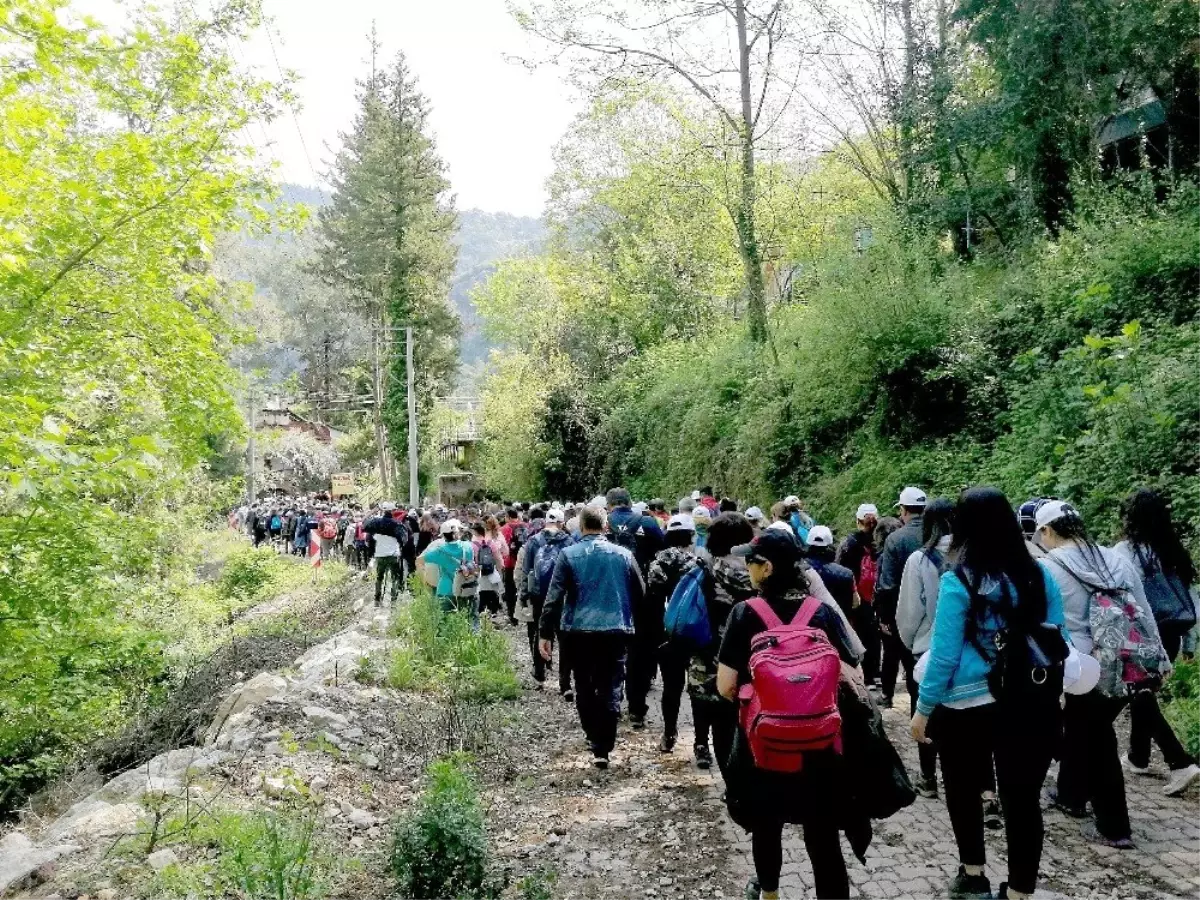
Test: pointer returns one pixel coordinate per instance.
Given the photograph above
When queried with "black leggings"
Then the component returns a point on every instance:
(824, 847)
(967, 741)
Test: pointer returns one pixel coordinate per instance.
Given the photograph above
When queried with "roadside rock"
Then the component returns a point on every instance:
(258, 689)
(160, 859)
(96, 818)
(325, 718)
(19, 858)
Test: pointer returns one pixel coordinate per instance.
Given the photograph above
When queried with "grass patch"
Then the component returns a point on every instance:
(441, 651)
(258, 855)
(1180, 700)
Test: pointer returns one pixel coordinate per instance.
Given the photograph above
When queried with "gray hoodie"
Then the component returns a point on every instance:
(1101, 569)
(918, 598)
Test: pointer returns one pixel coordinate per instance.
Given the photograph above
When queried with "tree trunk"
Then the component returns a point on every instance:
(908, 101)
(744, 220)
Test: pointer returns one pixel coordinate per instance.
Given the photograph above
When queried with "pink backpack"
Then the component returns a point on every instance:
(790, 705)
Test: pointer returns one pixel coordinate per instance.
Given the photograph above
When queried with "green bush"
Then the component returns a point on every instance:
(250, 572)
(440, 846)
(440, 650)
(1180, 700)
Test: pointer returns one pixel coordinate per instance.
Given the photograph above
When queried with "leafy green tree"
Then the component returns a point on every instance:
(120, 163)
(388, 241)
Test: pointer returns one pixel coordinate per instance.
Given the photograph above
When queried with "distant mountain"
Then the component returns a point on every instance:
(483, 240)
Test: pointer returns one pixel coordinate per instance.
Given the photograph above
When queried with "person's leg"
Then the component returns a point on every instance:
(397, 579)
(724, 727)
(380, 572)
(510, 594)
(766, 846)
(890, 667)
(673, 673)
(965, 752)
(702, 715)
(868, 633)
(926, 753)
(565, 663)
(1148, 723)
(610, 681)
(1022, 756)
(586, 692)
(1072, 784)
(640, 662)
(824, 847)
(1105, 781)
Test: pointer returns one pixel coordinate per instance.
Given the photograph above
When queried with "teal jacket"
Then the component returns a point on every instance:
(956, 670)
(448, 558)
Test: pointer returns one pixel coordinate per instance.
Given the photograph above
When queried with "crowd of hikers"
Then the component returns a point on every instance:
(1020, 639)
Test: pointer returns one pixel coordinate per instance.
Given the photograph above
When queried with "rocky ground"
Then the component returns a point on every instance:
(319, 735)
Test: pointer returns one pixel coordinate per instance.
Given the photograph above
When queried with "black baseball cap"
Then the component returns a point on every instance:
(774, 545)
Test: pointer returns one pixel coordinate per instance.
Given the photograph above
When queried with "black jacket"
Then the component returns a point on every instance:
(900, 545)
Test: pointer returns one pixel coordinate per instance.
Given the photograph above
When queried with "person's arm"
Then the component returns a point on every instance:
(887, 587)
(946, 642)
(726, 681)
(561, 584)
(519, 570)
(637, 588)
(910, 608)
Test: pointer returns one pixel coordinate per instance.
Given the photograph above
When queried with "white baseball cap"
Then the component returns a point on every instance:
(754, 514)
(866, 509)
(791, 500)
(782, 526)
(681, 522)
(600, 502)
(820, 536)
(450, 526)
(912, 496)
(701, 512)
(554, 515)
(1053, 510)
(695, 495)
(387, 506)
(638, 508)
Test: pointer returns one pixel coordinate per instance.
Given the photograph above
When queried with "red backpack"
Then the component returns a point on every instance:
(790, 705)
(868, 572)
(328, 528)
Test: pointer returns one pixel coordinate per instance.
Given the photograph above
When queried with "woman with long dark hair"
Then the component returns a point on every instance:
(994, 585)
(1090, 766)
(1151, 545)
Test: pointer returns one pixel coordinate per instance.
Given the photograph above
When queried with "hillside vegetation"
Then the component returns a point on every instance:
(975, 282)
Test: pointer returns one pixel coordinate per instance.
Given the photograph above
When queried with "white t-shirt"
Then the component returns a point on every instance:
(386, 545)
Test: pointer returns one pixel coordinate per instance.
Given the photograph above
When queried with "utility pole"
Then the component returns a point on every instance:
(414, 488)
(377, 412)
(250, 492)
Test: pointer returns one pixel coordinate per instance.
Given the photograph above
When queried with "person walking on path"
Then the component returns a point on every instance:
(388, 534)
(533, 574)
(915, 612)
(763, 801)
(454, 562)
(515, 532)
(1152, 547)
(994, 588)
(593, 591)
(837, 578)
(1090, 766)
(668, 567)
(857, 553)
(898, 547)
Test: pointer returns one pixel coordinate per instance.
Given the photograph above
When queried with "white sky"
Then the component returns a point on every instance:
(494, 121)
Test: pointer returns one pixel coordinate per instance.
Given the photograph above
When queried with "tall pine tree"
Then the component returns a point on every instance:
(388, 239)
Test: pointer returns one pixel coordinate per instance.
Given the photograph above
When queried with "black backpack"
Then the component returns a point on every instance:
(1168, 597)
(520, 534)
(487, 560)
(627, 535)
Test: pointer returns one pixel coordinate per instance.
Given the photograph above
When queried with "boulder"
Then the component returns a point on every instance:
(325, 718)
(360, 818)
(96, 818)
(258, 689)
(19, 858)
(160, 859)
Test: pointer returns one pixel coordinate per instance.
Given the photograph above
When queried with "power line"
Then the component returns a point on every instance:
(292, 109)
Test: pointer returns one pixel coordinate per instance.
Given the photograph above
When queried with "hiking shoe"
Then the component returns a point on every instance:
(964, 886)
(753, 891)
(927, 787)
(637, 723)
(991, 814)
(885, 703)
(1180, 780)
(1129, 766)
(703, 756)
(1091, 833)
(1075, 812)
(1002, 894)
(568, 695)
(667, 744)
(600, 760)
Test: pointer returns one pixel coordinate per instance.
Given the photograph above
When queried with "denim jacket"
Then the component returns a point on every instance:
(595, 587)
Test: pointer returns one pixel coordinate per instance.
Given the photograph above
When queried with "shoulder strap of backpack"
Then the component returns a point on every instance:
(763, 610)
(804, 614)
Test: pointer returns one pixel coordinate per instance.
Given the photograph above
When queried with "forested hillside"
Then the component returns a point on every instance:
(989, 274)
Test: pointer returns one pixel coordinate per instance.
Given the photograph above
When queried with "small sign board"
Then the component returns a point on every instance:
(343, 484)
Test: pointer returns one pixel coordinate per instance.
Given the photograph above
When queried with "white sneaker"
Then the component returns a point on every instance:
(1180, 779)
(1130, 767)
